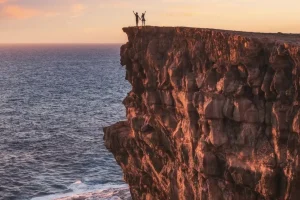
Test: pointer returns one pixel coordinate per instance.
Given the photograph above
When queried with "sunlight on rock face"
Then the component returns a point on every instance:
(212, 115)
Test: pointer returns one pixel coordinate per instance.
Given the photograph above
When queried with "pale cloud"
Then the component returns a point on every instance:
(182, 11)
(91, 30)
(51, 14)
(173, 1)
(77, 10)
(181, 14)
(17, 12)
(122, 4)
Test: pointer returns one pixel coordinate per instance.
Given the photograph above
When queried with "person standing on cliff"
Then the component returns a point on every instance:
(143, 19)
(137, 17)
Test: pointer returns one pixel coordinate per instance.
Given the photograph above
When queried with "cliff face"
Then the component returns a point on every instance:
(212, 115)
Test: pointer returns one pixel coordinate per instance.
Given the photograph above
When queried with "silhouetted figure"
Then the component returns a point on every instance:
(137, 17)
(143, 19)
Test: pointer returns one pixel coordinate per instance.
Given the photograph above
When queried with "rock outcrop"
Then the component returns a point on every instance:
(212, 114)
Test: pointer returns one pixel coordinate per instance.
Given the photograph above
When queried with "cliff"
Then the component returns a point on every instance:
(212, 114)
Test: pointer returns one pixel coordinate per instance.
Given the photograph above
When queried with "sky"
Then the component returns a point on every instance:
(101, 21)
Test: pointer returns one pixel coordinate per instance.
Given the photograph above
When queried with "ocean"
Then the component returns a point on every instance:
(54, 102)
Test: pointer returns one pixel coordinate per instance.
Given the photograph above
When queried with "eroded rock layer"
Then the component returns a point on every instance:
(212, 115)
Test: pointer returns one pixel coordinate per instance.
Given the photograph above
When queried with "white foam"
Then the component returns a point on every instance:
(95, 192)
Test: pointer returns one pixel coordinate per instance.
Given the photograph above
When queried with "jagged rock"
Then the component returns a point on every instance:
(208, 164)
(217, 135)
(212, 115)
(213, 108)
(296, 123)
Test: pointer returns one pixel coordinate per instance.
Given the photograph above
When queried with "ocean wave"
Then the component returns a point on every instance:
(81, 191)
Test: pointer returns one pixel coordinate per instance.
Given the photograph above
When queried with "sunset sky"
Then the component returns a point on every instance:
(100, 21)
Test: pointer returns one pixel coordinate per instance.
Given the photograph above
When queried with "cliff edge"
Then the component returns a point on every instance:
(212, 114)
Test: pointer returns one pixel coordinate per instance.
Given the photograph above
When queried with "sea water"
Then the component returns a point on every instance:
(54, 102)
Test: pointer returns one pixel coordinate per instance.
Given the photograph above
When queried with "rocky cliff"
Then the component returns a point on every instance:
(212, 114)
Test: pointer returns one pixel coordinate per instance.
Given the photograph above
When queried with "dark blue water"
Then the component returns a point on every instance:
(54, 101)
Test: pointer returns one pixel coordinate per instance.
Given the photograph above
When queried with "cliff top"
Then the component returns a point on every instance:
(271, 37)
